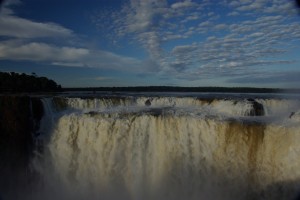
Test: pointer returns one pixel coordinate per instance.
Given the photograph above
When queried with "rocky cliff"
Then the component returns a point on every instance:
(19, 119)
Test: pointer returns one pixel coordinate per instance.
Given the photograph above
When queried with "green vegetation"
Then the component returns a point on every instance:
(14, 82)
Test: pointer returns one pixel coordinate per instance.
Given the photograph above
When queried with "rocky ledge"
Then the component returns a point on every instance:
(19, 119)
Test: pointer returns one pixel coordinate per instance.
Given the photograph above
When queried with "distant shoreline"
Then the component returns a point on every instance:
(183, 89)
(167, 89)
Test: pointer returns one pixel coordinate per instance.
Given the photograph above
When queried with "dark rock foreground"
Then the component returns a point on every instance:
(19, 119)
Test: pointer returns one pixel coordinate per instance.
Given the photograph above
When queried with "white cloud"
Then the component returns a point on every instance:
(5, 10)
(184, 4)
(256, 35)
(24, 43)
(220, 27)
(206, 44)
(263, 6)
(184, 49)
(253, 6)
(33, 51)
(234, 13)
(151, 23)
(234, 3)
(205, 24)
(14, 26)
(67, 56)
(142, 15)
(192, 17)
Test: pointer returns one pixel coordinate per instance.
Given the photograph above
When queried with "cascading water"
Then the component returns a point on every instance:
(169, 148)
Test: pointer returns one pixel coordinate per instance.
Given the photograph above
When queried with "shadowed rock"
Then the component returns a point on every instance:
(257, 108)
(19, 119)
(291, 115)
(148, 103)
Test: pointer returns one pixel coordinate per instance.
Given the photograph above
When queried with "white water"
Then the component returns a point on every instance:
(177, 148)
(219, 108)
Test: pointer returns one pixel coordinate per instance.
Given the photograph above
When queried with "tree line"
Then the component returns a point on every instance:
(15, 82)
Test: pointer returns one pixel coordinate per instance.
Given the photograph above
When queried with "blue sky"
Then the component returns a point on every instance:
(81, 43)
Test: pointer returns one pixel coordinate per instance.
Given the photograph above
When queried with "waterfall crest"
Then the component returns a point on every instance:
(173, 148)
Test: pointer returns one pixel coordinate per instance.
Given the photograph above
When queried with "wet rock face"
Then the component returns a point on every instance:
(257, 108)
(19, 118)
(148, 102)
(37, 108)
(295, 116)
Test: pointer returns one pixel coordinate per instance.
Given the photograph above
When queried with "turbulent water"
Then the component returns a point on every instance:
(134, 147)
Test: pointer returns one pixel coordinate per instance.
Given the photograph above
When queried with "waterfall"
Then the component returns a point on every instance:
(174, 148)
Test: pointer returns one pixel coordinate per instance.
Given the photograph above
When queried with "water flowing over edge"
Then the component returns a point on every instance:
(168, 148)
(267, 110)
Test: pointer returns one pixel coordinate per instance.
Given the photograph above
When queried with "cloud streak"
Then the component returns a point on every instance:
(27, 40)
(66, 56)
(33, 51)
(184, 40)
(264, 32)
(14, 26)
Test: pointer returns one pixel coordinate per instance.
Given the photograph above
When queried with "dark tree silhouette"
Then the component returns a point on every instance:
(14, 82)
